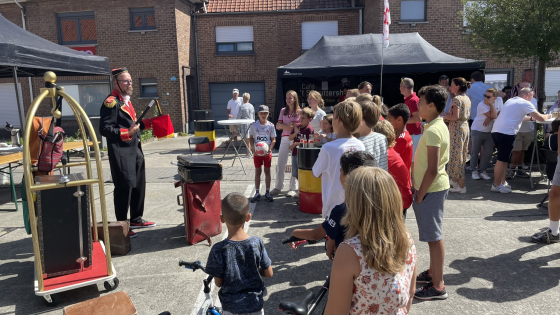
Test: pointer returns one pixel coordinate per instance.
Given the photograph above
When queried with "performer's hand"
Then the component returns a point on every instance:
(133, 129)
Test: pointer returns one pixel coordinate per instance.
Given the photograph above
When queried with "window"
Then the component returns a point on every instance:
(142, 19)
(413, 10)
(311, 32)
(234, 40)
(90, 95)
(498, 78)
(148, 88)
(76, 28)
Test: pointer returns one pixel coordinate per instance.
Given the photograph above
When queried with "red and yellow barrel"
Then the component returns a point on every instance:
(310, 194)
(205, 128)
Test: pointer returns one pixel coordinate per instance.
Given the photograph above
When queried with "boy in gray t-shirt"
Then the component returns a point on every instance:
(374, 143)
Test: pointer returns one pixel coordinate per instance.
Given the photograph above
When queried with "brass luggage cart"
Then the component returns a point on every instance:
(102, 270)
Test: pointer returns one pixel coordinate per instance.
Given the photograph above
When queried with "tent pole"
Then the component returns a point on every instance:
(19, 104)
(381, 76)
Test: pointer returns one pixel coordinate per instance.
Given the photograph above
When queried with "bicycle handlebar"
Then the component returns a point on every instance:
(191, 265)
(293, 239)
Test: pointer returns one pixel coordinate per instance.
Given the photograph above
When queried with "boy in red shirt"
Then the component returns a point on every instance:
(398, 117)
(397, 168)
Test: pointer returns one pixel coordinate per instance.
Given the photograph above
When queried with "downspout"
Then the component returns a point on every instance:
(197, 65)
(25, 28)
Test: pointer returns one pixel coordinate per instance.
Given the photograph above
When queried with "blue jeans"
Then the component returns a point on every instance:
(294, 166)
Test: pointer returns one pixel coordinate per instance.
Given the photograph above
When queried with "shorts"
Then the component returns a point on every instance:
(504, 144)
(415, 141)
(261, 312)
(294, 166)
(556, 178)
(523, 140)
(234, 130)
(429, 216)
(262, 160)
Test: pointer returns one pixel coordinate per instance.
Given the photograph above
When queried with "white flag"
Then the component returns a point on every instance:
(386, 23)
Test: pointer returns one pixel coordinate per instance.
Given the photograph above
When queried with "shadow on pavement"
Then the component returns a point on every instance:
(534, 214)
(512, 278)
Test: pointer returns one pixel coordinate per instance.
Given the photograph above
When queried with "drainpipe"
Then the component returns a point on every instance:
(197, 65)
(21, 8)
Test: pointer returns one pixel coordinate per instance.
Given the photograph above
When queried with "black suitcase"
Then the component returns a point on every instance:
(203, 114)
(199, 168)
(58, 226)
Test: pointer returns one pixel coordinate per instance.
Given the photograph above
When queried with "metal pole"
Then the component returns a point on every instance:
(381, 76)
(19, 104)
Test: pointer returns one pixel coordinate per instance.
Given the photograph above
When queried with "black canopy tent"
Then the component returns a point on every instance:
(338, 61)
(23, 54)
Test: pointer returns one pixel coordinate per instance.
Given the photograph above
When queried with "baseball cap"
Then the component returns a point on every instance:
(235, 91)
(263, 108)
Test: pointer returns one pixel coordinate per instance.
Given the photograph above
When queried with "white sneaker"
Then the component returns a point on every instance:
(297, 194)
(275, 191)
(507, 185)
(453, 184)
(500, 189)
(484, 176)
(475, 175)
(458, 190)
(291, 193)
(525, 167)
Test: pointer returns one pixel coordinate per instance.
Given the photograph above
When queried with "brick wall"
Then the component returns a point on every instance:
(444, 31)
(277, 42)
(156, 54)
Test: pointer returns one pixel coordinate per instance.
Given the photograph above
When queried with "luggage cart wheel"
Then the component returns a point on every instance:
(50, 300)
(111, 284)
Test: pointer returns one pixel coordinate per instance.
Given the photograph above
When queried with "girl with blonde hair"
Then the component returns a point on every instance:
(317, 104)
(288, 118)
(375, 267)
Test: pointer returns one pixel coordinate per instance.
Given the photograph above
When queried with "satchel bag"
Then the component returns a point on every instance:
(162, 126)
(51, 148)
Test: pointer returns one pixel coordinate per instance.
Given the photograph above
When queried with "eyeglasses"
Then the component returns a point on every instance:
(126, 81)
(488, 96)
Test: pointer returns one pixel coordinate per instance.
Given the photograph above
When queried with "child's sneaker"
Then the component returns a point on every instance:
(424, 277)
(268, 197)
(429, 292)
(256, 198)
(545, 237)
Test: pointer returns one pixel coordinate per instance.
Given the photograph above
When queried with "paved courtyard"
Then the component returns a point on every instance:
(491, 265)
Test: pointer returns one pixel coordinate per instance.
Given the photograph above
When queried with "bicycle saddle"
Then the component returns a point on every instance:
(297, 306)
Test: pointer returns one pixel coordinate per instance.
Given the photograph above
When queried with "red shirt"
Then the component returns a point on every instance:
(404, 148)
(412, 103)
(401, 175)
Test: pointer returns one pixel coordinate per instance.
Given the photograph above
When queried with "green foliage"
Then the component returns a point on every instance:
(512, 29)
(146, 135)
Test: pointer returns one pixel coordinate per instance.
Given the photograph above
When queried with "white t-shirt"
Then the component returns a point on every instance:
(316, 122)
(511, 115)
(234, 106)
(481, 109)
(263, 133)
(328, 167)
(529, 126)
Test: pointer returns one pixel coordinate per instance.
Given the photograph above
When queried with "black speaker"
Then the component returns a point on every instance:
(203, 114)
(58, 226)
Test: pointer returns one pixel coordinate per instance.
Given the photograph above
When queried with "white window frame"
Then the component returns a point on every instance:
(233, 36)
(313, 31)
(415, 20)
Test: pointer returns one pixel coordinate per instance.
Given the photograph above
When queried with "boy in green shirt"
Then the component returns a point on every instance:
(431, 183)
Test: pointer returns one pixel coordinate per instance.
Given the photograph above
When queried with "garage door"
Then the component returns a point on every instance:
(220, 94)
(8, 105)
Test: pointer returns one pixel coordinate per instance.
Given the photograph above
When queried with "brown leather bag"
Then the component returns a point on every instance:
(118, 303)
(118, 236)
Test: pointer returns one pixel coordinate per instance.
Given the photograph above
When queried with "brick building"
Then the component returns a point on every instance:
(232, 43)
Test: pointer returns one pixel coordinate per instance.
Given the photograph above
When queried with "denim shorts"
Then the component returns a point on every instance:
(429, 216)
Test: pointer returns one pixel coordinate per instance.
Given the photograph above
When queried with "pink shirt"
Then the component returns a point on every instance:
(286, 119)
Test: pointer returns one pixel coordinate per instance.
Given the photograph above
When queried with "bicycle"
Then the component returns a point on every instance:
(304, 305)
(207, 307)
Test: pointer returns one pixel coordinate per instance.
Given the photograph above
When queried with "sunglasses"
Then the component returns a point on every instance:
(488, 96)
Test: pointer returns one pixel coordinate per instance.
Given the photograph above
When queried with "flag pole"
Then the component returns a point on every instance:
(381, 76)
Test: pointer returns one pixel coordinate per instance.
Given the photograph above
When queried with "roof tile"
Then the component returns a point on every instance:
(215, 6)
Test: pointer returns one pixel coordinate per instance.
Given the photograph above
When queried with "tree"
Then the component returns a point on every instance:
(511, 29)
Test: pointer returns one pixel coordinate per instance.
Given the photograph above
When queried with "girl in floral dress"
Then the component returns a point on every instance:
(374, 270)
(459, 133)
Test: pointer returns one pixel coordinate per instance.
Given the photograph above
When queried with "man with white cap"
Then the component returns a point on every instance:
(232, 109)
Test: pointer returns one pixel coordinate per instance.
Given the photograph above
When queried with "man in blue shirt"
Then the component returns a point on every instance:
(476, 92)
